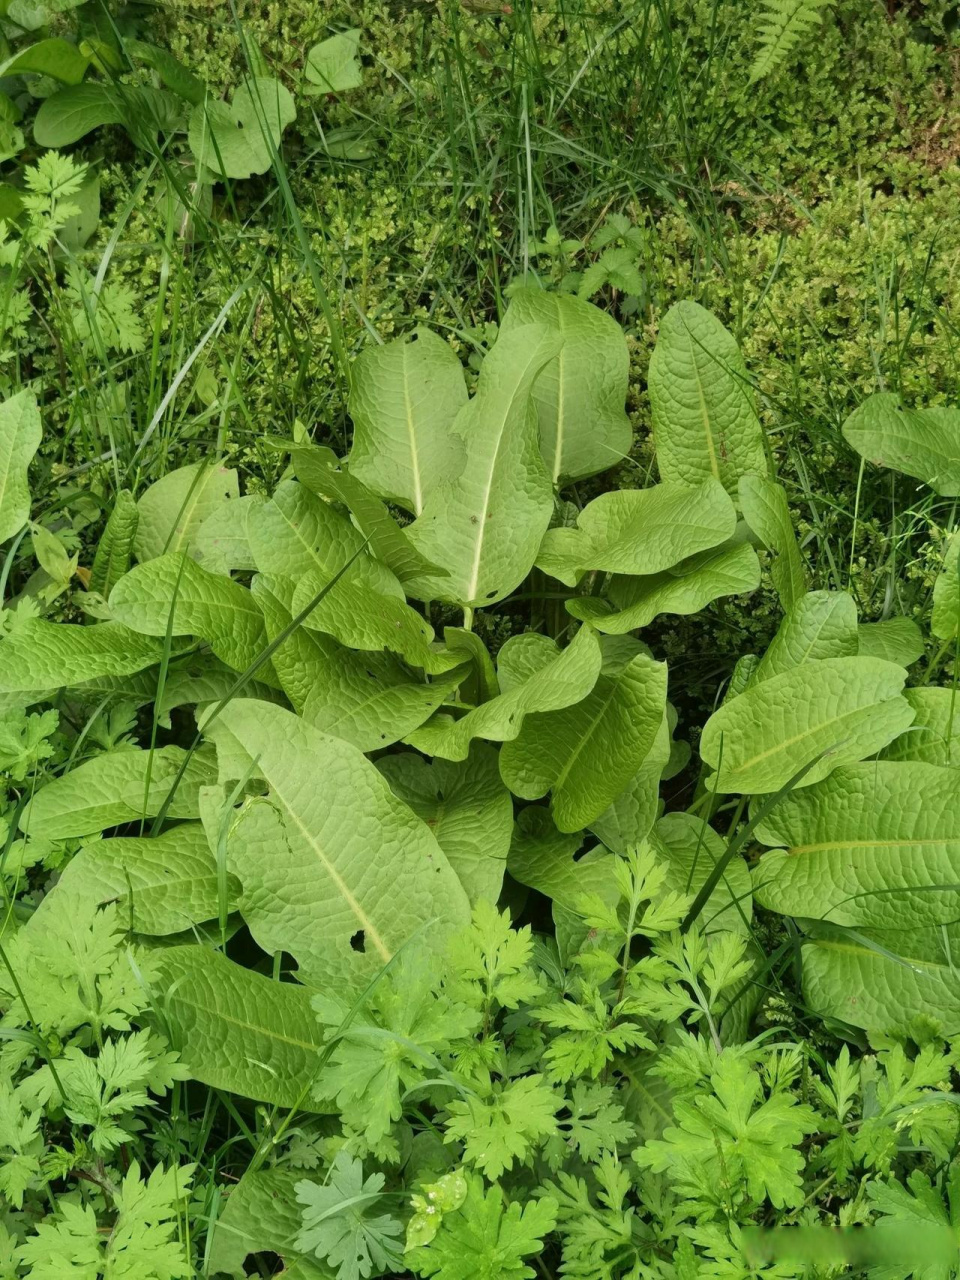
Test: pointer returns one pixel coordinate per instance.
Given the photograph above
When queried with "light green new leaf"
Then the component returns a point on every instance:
(115, 548)
(117, 787)
(728, 570)
(690, 849)
(236, 1030)
(467, 808)
(20, 435)
(163, 884)
(403, 401)
(837, 709)
(640, 531)
(173, 508)
(559, 678)
(627, 821)
(334, 868)
(822, 624)
(481, 684)
(42, 656)
(586, 754)
(765, 509)
(319, 469)
(543, 858)
(924, 443)
(485, 526)
(580, 394)
(332, 65)
(945, 621)
(934, 736)
(221, 543)
(704, 419)
(239, 139)
(173, 592)
(896, 639)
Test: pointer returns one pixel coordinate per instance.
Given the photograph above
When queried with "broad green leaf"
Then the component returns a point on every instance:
(565, 678)
(296, 533)
(54, 57)
(305, 853)
(586, 754)
(934, 736)
(839, 709)
(238, 139)
(467, 808)
(883, 994)
(115, 548)
(485, 526)
(174, 507)
(543, 858)
(522, 657)
(765, 509)
(704, 418)
(116, 787)
(362, 618)
(636, 600)
(320, 471)
(691, 849)
(299, 660)
(580, 394)
(261, 1216)
(163, 884)
(403, 401)
(945, 621)
(924, 443)
(333, 65)
(822, 624)
(238, 1031)
(368, 699)
(221, 544)
(896, 639)
(640, 531)
(628, 819)
(874, 847)
(42, 656)
(20, 436)
(66, 117)
(174, 593)
(201, 679)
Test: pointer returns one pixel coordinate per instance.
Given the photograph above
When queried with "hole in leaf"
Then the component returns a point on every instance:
(359, 942)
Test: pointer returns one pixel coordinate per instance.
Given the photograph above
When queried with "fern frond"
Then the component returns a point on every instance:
(783, 24)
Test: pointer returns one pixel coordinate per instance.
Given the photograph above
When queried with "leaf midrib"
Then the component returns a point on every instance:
(779, 747)
(496, 440)
(370, 930)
